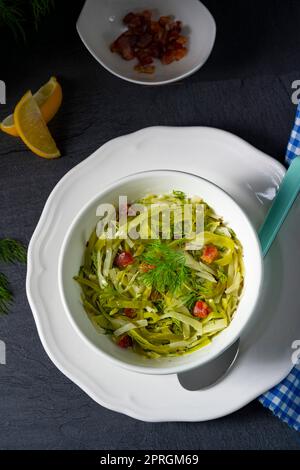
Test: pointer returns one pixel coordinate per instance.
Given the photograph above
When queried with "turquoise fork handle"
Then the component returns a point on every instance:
(287, 193)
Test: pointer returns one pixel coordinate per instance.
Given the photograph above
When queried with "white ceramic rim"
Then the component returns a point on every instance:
(162, 82)
(115, 361)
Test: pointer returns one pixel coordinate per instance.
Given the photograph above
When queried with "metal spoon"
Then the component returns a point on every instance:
(207, 375)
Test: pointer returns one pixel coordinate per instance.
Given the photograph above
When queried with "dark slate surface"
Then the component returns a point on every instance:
(245, 88)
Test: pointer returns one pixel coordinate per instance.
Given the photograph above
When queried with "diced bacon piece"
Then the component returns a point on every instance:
(129, 312)
(165, 20)
(125, 342)
(144, 58)
(146, 40)
(181, 40)
(122, 45)
(144, 68)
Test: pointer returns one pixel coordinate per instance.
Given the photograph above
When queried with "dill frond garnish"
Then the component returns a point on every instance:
(169, 272)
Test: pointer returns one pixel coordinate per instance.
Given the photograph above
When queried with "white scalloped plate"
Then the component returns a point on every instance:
(252, 178)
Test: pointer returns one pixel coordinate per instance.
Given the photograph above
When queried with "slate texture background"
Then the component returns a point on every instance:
(245, 88)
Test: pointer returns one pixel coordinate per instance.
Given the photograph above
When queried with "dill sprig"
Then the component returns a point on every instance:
(6, 295)
(12, 16)
(169, 272)
(180, 195)
(11, 251)
(190, 299)
(17, 13)
(40, 8)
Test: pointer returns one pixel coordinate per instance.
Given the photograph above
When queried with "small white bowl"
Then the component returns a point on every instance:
(100, 23)
(136, 186)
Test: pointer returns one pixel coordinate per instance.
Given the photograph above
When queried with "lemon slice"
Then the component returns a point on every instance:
(32, 128)
(48, 98)
(8, 126)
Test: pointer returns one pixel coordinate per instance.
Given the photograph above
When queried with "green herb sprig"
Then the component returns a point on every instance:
(11, 251)
(16, 14)
(169, 272)
(6, 295)
(180, 195)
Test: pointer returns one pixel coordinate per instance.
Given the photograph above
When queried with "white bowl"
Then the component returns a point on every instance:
(136, 186)
(100, 23)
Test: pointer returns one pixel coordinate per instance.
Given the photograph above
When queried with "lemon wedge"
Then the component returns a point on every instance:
(8, 126)
(32, 128)
(48, 98)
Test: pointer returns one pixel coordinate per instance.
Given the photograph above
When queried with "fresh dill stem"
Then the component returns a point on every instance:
(12, 251)
(170, 271)
(190, 299)
(5, 294)
(40, 8)
(16, 14)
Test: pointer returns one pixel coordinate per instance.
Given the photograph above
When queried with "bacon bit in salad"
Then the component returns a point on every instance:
(125, 342)
(124, 259)
(155, 296)
(147, 39)
(201, 309)
(145, 267)
(210, 253)
(129, 312)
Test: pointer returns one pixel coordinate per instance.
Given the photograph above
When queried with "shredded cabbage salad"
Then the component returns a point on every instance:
(159, 296)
